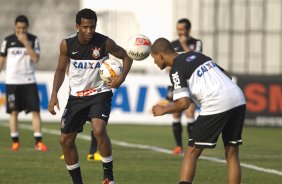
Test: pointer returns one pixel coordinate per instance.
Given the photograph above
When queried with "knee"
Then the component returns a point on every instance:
(176, 115)
(194, 152)
(99, 131)
(66, 141)
(189, 113)
(231, 152)
(14, 114)
(35, 114)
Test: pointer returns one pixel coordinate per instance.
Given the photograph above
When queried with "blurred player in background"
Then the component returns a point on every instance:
(21, 52)
(90, 97)
(194, 75)
(184, 43)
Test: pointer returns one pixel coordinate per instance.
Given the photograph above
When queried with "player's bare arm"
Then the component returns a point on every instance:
(175, 107)
(118, 52)
(59, 77)
(2, 60)
(22, 37)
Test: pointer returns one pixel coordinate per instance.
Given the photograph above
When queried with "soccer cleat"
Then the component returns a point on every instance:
(96, 156)
(41, 147)
(107, 181)
(177, 150)
(62, 157)
(15, 146)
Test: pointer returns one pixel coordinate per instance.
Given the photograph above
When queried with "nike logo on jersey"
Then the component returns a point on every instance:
(13, 43)
(176, 80)
(105, 116)
(74, 52)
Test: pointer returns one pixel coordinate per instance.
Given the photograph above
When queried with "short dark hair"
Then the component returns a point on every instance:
(22, 18)
(162, 45)
(186, 22)
(85, 14)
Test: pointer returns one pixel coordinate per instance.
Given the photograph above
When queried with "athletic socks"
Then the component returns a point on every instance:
(37, 137)
(15, 136)
(184, 182)
(177, 132)
(93, 146)
(108, 168)
(75, 173)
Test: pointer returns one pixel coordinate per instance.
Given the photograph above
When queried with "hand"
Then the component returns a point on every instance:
(115, 82)
(184, 43)
(183, 40)
(158, 110)
(53, 102)
(22, 37)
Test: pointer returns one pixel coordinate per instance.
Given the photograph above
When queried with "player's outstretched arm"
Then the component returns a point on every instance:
(178, 106)
(119, 52)
(59, 77)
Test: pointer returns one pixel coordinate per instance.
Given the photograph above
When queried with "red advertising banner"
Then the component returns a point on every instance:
(264, 98)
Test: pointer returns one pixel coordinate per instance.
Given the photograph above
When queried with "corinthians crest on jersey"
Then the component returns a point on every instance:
(96, 52)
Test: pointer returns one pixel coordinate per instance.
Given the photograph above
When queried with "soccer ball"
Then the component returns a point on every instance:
(110, 68)
(138, 47)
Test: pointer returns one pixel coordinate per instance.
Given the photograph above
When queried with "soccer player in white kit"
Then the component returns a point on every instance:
(90, 97)
(194, 75)
(21, 52)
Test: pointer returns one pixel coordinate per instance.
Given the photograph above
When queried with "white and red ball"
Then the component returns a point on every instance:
(138, 47)
(110, 68)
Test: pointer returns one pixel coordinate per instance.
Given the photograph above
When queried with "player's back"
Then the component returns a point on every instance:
(207, 84)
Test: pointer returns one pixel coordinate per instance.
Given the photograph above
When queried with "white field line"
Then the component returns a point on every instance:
(152, 148)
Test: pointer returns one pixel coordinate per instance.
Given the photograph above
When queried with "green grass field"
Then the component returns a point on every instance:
(262, 148)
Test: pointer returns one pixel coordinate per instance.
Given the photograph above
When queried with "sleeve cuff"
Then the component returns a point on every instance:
(179, 93)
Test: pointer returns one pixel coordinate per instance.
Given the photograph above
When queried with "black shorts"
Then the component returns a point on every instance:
(22, 97)
(207, 129)
(81, 109)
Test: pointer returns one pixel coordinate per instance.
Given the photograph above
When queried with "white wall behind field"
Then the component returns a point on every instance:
(123, 18)
(242, 36)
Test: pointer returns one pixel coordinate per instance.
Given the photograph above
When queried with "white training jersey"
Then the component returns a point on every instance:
(85, 61)
(19, 67)
(196, 76)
